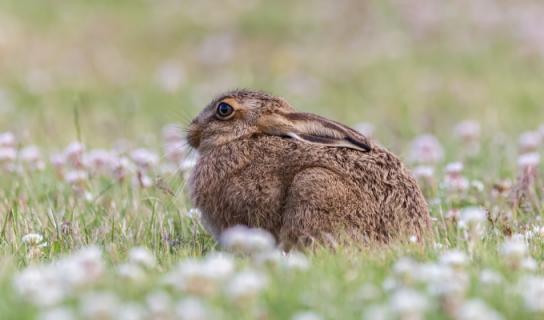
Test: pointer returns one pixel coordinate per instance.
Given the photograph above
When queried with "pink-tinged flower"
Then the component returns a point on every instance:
(100, 161)
(454, 181)
(426, 149)
(468, 131)
(365, 128)
(7, 155)
(122, 168)
(76, 177)
(170, 76)
(172, 133)
(58, 160)
(424, 174)
(529, 161)
(175, 152)
(541, 130)
(32, 156)
(7, 140)
(530, 141)
(144, 158)
(74, 154)
(514, 251)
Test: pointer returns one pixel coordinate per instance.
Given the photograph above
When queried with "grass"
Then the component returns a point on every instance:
(91, 72)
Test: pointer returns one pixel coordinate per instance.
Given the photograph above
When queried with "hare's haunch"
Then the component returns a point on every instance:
(298, 175)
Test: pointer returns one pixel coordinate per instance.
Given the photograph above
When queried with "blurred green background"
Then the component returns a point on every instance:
(125, 68)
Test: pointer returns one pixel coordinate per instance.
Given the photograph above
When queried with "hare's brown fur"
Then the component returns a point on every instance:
(297, 190)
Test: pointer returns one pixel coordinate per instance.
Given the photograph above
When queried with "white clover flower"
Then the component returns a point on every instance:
(33, 240)
(194, 213)
(426, 149)
(131, 311)
(473, 220)
(40, 285)
(201, 277)
(221, 264)
(296, 261)
(468, 130)
(142, 257)
(514, 251)
(529, 264)
(307, 315)
(99, 305)
(192, 309)
(57, 313)
(409, 304)
(531, 289)
(83, 267)
(241, 239)
(132, 272)
(245, 286)
(442, 280)
(405, 269)
(476, 310)
(490, 277)
(455, 259)
(159, 305)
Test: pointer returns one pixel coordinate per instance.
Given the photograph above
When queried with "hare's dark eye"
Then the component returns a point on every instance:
(224, 110)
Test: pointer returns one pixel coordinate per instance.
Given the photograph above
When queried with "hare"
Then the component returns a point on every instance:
(300, 176)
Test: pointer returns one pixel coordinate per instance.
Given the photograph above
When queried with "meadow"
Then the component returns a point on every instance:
(95, 220)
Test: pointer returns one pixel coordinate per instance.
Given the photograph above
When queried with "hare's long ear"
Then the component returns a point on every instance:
(314, 129)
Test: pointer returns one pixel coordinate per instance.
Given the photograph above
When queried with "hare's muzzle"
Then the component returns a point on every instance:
(193, 135)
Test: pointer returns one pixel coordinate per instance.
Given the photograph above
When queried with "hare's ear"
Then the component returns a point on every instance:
(314, 129)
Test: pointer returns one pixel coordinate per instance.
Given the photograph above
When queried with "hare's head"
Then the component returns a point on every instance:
(242, 114)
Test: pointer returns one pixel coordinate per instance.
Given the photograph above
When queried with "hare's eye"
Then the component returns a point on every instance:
(224, 110)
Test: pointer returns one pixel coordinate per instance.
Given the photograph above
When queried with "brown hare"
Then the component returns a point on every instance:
(302, 177)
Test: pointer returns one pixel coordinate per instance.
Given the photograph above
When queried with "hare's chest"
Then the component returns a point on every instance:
(253, 198)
